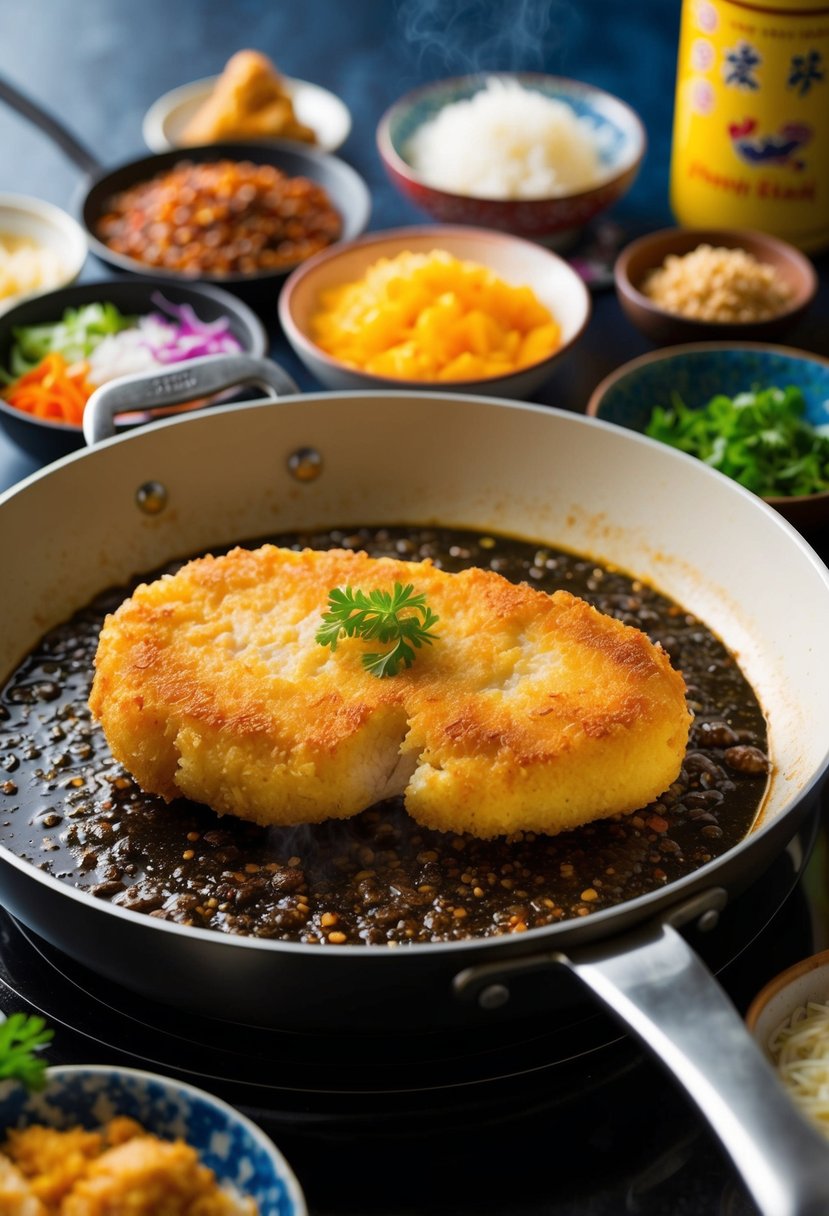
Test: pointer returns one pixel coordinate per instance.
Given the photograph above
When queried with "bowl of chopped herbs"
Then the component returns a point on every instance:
(759, 414)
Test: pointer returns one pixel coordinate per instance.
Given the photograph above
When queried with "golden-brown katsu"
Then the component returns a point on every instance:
(528, 711)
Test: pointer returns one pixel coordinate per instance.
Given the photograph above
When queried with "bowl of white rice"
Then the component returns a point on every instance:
(536, 155)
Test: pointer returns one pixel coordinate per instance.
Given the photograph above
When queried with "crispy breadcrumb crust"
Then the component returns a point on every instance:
(530, 711)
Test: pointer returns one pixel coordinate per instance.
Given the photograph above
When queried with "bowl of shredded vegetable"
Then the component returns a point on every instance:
(789, 1019)
(57, 348)
(757, 413)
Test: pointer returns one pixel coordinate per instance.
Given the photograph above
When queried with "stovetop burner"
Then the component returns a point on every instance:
(516, 1121)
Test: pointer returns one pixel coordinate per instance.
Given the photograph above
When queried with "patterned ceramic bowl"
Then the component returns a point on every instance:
(699, 371)
(241, 1156)
(620, 139)
(516, 262)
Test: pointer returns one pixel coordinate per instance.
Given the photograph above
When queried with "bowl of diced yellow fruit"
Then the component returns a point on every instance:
(458, 308)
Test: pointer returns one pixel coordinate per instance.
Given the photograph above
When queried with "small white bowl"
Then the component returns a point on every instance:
(518, 262)
(805, 981)
(238, 1152)
(50, 227)
(316, 107)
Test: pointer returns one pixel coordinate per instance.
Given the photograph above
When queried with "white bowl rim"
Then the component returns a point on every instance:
(777, 990)
(636, 152)
(153, 126)
(52, 216)
(300, 340)
(193, 1093)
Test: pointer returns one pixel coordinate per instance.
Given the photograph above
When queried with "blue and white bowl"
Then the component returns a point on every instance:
(621, 141)
(696, 372)
(239, 1153)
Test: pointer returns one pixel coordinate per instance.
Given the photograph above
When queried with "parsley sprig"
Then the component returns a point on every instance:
(399, 616)
(760, 439)
(21, 1036)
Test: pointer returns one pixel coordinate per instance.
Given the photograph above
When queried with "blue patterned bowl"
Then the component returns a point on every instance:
(241, 1155)
(554, 221)
(699, 371)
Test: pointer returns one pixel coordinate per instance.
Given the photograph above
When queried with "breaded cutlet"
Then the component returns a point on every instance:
(530, 711)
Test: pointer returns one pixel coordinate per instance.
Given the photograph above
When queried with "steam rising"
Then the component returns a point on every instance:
(464, 37)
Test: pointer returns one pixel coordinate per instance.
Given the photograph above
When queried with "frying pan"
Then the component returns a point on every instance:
(346, 189)
(532, 471)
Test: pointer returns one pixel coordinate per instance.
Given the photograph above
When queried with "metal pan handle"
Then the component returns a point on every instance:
(50, 126)
(659, 987)
(154, 392)
(653, 982)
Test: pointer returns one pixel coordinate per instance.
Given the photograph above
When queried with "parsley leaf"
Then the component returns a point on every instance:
(400, 616)
(20, 1038)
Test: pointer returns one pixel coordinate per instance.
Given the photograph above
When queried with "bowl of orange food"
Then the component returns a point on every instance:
(109, 1139)
(468, 309)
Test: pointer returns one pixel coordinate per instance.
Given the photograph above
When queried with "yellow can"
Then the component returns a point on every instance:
(751, 119)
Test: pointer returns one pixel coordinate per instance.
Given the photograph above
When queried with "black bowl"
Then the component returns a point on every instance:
(48, 440)
(347, 191)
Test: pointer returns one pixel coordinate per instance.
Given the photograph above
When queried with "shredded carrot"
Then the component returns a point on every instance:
(53, 390)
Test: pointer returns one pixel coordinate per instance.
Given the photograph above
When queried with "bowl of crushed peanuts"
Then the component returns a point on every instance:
(467, 309)
(93, 1140)
(691, 284)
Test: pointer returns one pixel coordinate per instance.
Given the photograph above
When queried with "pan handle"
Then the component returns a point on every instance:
(661, 990)
(50, 126)
(153, 392)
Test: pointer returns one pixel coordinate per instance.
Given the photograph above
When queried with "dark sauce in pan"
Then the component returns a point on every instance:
(68, 808)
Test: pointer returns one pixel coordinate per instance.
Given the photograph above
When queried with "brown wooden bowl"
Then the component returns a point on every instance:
(664, 328)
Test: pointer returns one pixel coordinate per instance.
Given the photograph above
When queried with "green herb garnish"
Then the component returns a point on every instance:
(21, 1036)
(760, 439)
(397, 616)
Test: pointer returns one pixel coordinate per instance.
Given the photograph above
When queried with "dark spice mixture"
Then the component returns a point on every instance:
(67, 807)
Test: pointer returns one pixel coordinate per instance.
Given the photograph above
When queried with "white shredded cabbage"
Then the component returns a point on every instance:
(800, 1050)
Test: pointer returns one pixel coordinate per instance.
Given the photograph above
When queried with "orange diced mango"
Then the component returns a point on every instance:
(433, 317)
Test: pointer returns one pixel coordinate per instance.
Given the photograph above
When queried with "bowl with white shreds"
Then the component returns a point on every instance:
(789, 1019)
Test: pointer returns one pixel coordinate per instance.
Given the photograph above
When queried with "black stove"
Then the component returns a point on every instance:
(518, 1121)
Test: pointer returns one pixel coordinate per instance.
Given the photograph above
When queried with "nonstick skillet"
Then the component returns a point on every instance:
(322, 460)
(346, 189)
